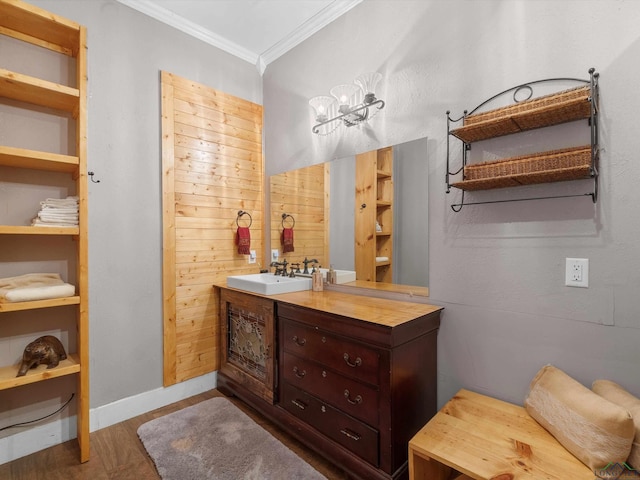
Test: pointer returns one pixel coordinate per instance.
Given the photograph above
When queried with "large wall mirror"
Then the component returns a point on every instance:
(320, 203)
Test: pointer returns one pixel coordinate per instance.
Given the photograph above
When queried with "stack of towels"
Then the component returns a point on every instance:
(57, 212)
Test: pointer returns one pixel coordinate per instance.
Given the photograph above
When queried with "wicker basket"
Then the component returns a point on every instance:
(553, 166)
(560, 107)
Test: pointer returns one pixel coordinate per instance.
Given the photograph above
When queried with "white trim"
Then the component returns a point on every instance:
(166, 16)
(44, 436)
(304, 31)
(308, 28)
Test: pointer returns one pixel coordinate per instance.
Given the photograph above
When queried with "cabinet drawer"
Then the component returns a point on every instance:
(345, 356)
(355, 436)
(357, 399)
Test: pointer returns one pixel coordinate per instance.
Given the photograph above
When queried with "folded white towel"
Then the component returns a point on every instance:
(31, 280)
(65, 217)
(38, 293)
(34, 286)
(36, 222)
(60, 201)
(382, 259)
(49, 208)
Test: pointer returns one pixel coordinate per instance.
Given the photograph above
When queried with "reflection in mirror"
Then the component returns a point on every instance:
(321, 199)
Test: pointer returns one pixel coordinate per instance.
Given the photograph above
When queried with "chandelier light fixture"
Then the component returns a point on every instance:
(348, 104)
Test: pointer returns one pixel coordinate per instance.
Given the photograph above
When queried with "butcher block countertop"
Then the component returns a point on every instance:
(381, 311)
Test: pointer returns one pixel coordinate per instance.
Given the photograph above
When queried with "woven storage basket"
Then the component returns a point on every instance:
(539, 162)
(560, 107)
(553, 166)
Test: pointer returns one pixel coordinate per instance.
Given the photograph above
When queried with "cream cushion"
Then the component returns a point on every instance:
(591, 427)
(618, 395)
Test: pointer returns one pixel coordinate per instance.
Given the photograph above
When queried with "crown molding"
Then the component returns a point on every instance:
(165, 16)
(261, 61)
(308, 28)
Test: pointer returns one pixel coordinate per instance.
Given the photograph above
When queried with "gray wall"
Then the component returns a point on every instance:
(497, 269)
(127, 51)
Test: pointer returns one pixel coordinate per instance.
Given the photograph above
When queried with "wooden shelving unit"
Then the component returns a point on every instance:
(374, 187)
(36, 26)
(574, 163)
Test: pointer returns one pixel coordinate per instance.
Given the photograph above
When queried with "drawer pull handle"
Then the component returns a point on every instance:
(299, 341)
(298, 373)
(350, 434)
(299, 404)
(357, 363)
(356, 401)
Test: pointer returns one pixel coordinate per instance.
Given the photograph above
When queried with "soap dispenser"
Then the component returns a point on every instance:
(317, 282)
(331, 275)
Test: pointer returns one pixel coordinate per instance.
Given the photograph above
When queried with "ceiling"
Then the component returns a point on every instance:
(258, 31)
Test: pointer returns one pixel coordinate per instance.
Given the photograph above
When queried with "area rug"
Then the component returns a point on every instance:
(215, 440)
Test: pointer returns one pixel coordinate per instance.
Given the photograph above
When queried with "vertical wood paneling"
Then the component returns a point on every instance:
(212, 168)
(303, 194)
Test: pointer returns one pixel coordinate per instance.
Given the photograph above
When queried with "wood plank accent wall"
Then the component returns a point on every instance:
(303, 194)
(212, 168)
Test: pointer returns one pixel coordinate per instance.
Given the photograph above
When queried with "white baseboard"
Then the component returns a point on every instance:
(41, 437)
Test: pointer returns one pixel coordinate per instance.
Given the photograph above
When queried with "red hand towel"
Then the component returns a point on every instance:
(243, 240)
(287, 240)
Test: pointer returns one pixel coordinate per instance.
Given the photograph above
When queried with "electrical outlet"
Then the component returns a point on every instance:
(252, 256)
(577, 272)
(275, 255)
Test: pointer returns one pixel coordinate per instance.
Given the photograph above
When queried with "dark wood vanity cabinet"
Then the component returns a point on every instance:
(248, 343)
(366, 387)
(355, 376)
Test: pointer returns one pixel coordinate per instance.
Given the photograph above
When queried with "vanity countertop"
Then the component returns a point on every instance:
(381, 311)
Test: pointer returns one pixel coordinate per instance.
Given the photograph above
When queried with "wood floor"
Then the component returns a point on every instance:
(117, 453)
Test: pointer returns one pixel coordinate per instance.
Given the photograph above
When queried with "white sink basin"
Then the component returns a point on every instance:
(268, 283)
(342, 276)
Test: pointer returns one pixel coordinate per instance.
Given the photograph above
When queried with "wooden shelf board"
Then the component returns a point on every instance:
(35, 25)
(27, 230)
(558, 175)
(383, 264)
(38, 92)
(32, 159)
(383, 234)
(53, 302)
(383, 174)
(8, 374)
(383, 203)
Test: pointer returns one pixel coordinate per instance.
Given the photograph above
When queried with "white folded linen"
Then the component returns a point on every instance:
(69, 201)
(382, 259)
(56, 221)
(39, 293)
(53, 214)
(31, 280)
(34, 286)
(36, 222)
(47, 208)
(66, 217)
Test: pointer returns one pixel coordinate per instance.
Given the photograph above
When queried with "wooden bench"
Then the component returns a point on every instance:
(479, 437)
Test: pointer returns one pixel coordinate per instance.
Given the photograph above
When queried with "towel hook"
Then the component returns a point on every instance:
(91, 174)
(284, 217)
(240, 214)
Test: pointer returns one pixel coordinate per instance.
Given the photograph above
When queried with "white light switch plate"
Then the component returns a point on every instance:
(275, 255)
